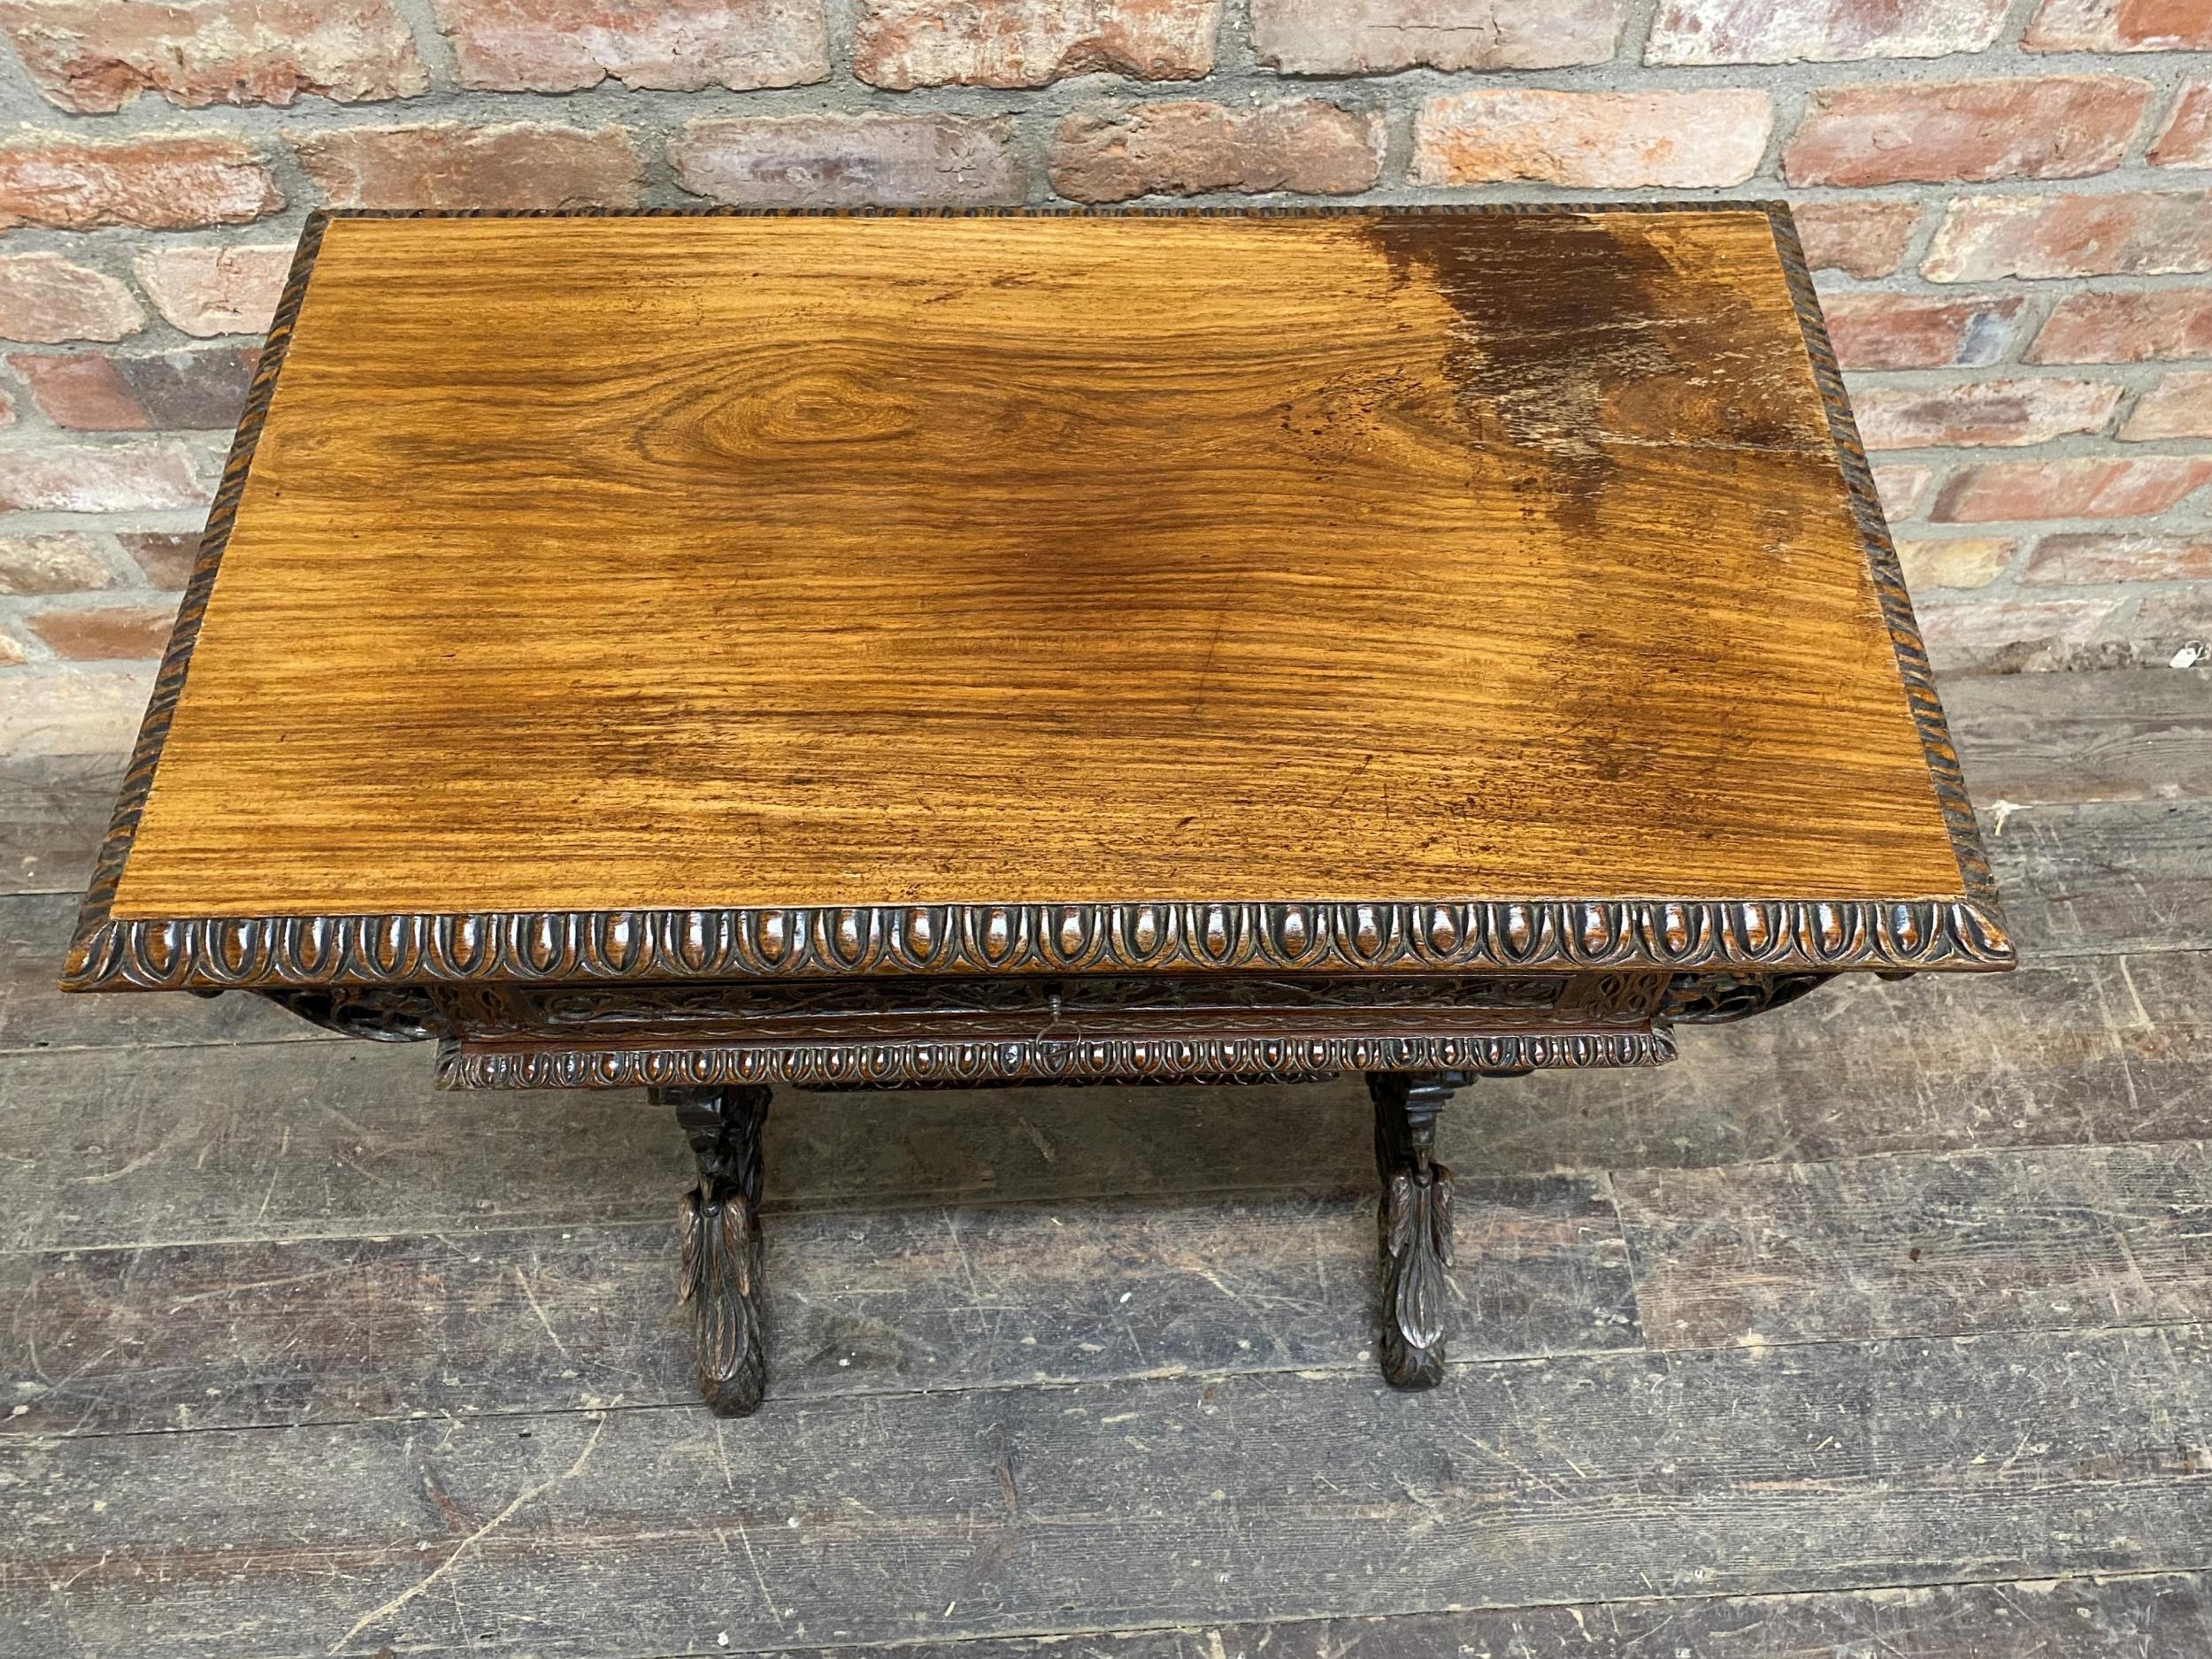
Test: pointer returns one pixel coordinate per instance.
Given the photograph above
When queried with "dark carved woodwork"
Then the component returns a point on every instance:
(719, 1275)
(1712, 999)
(382, 1013)
(1413, 1222)
(921, 1060)
(649, 946)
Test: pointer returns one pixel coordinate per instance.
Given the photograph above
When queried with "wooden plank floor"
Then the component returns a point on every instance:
(1882, 1325)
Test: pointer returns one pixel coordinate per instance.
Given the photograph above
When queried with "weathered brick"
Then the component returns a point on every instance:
(206, 291)
(99, 391)
(520, 165)
(906, 43)
(166, 559)
(1901, 488)
(46, 299)
(848, 160)
(165, 181)
(2020, 633)
(2179, 406)
(95, 56)
(1956, 562)
(1989, 414)
(2120, 25)
(2100, 327)
(1985, 237)
(2082, 486)
(1363, 37)
(62, 564)
(10, 652)
(668, 45)
(1920, 331)
(1192, 148)
(2086, 558)
(108, 634)
(1613, 140)
(2187, 138)
(1860, 239)
(7, 410)
(2059, 126)
(160, 475)
(1819, 31)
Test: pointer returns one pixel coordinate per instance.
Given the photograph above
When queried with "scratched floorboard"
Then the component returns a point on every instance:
(1022, 1510)
(1083, 1363)
(2067, 1239)
(2153, 1615)
(541, 1318)
(2134, 734)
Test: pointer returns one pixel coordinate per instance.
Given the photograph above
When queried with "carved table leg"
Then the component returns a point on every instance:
(1415, 1221)
(721, 1274)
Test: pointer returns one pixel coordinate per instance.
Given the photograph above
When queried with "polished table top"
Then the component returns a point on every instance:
(751, 592)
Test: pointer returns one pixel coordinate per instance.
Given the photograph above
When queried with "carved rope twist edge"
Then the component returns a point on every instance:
(1889, 577)
(227, 952)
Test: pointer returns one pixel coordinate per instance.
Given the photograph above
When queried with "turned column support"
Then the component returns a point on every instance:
(1414, 1222)
(719, 1278)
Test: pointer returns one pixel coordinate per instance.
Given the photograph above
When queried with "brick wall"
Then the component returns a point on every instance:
(2008, 199)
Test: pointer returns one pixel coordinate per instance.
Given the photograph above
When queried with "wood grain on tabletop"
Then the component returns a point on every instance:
(602, 563)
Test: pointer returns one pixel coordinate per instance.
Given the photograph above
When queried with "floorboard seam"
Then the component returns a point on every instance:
(1458, 1370)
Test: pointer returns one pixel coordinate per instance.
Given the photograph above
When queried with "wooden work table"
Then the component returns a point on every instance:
(703, 651)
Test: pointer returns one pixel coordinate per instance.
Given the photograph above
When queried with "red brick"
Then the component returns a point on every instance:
(1901, 488)
(1860, 239)
(205, 291)
(2060, 126)
(167, 559)
(1920, 331)
(99, 391)
(1819, 31)
(82, 390)
(7, 410)
(2083, 487)
(64, 564)
(2187, 141)
(522, 164)
(1613, 140)
(167, 182)
(1985, 237)
(848, 160)
(110, 633)
(1192, 149)
(2179, 406)
(45, 299)
(1362, 37)
(2089, 558)
(2098, 327)
(905, 43)
(669, 45)
(95, 56)
(1956, 561)
(1982, 412)
(2120, 25)
(145, 476)
(2016, 633)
